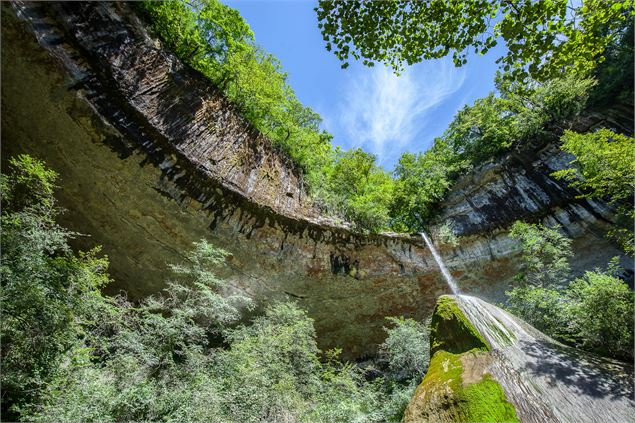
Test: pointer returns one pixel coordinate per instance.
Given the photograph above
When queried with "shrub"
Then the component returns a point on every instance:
(545, 254)
(406, 349)
(595, 311)
(543, 308)
(47, 293)
(601, 313)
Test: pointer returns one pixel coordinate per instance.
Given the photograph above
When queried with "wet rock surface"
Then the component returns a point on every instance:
(458, 385)
(521, 374)
(545, 380)
(152, 158)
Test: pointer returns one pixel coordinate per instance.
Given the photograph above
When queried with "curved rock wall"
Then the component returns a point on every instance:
(151, 158)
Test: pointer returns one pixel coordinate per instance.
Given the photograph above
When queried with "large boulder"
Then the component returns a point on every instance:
(490, 366)
(457, 386)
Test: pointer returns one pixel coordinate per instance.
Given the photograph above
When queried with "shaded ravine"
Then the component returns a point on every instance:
(545, 380)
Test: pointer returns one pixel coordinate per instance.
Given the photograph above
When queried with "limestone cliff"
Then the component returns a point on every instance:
(151, 158)
(504, 370)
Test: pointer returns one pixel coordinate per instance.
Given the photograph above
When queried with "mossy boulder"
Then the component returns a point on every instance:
(451, 330)
(456, 389)
(457, 386)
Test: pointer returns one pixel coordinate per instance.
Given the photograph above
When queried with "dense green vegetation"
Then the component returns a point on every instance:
(535, 98)
(594, 311)
(406, 349)
(70, 353)
(542, 37)
(604, 169)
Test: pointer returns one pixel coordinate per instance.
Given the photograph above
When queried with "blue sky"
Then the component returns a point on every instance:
(366, 107)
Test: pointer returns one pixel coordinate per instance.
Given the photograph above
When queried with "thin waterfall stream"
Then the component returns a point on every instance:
(545, 380)
(444, 271)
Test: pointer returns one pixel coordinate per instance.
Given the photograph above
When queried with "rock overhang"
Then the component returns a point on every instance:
(146, 180)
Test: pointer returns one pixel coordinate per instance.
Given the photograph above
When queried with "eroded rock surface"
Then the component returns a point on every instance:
(458, 386)
(548, 381)
(152, 158)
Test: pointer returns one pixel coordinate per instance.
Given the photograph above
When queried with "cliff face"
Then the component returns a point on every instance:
(152, 158)
(519, 186)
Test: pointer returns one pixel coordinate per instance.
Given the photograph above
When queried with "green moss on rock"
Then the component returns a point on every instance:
(451, 331)
(457, 387)
(444, 395)
(485, 401)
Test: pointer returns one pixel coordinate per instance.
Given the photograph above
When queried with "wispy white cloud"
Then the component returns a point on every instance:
(383, 113)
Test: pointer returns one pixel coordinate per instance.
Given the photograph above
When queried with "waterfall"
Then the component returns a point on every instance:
(444, 271)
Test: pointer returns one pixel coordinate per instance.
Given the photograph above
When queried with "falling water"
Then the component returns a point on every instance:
(446, 274)
(545, 380)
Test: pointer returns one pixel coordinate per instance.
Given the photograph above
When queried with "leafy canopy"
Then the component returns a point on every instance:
(603, 168)
(541, 37)
(47, 293)
(603, 164)
(545, 254)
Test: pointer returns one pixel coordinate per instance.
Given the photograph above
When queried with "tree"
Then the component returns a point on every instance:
(360, 189)
(594, 312)
(271, 367)
(601, 314)
(521, 113)
(615, 74)
(542, 37)
(545, 254)
(604, 164)
(46, 292)
(406, 349)
(543, 307)
(482, 131)
(603, 167)
(421, 181)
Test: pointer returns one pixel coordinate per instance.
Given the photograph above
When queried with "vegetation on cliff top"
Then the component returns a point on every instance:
(534, 99)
